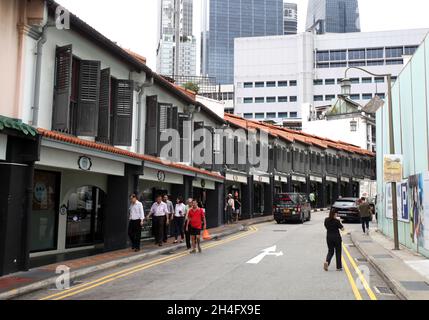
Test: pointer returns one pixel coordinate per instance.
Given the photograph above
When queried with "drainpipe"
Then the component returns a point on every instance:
(38, 73)
(146, 84)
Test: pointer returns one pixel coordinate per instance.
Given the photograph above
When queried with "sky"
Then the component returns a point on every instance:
(133, 24)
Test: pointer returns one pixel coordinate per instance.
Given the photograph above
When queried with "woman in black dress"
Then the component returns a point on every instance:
(334, 240)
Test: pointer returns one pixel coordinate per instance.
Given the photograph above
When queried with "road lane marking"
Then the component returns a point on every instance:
(365, 284)
(355, 290)
(117, 275)
(266, 252)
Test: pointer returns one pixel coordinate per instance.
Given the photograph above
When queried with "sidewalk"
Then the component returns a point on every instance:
(406, 272)
(22, 283)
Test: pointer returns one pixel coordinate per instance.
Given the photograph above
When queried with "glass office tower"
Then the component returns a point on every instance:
(333, 16)
(225, 20)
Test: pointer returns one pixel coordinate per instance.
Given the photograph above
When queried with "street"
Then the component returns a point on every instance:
(267, 261)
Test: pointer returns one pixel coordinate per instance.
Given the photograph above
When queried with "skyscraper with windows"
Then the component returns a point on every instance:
(169, 29)
(290, 18)
(333, 16)
(225, 20)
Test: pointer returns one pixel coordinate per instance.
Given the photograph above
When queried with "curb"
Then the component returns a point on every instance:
(397, 289)
(117, 263)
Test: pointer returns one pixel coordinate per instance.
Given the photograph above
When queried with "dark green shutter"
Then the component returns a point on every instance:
(104, 107)
(63, 78)
(152, 126)
(164, 124)
(123, 113)
(89, 95)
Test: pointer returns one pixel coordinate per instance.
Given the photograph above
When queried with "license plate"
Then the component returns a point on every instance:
(342, 215)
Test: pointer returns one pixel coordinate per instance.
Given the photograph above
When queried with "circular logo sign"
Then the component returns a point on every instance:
(85, 163)
(63, 210)
(161, 176)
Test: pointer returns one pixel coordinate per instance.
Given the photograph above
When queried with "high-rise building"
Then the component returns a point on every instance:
(290, 18)
(225, 20)
(276, 76)
(333, 16)
(169, 30)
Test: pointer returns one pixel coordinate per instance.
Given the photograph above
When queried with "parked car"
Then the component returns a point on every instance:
(291, 207)
(347, 209)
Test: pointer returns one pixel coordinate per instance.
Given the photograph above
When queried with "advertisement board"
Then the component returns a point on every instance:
(392, 168)
(402, 201)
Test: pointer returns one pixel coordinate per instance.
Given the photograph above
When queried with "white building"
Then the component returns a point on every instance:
(274, 76)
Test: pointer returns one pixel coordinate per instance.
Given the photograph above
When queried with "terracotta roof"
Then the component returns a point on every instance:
(136, 55)
(292, 135)
(107, 148)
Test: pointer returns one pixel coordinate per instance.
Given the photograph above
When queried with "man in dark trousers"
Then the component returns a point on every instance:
(159, 211)
(365, 213)
(136, 218)
(167, 227)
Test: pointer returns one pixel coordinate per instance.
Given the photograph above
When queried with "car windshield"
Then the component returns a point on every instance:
(287, 198)
(345, 203)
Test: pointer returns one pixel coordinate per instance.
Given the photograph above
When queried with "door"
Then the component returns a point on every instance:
(85, 216)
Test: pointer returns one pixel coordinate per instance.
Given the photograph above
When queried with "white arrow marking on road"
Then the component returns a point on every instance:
(267, 252)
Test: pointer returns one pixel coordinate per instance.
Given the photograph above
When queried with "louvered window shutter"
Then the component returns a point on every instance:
(152, 127)
(104, 107)
(184, 140)
(63, 79)
(164, 124)
(123, 113)
(89, 95)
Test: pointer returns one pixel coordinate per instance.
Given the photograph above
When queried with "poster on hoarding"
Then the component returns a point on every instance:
(401, 200)
(392, 168)
(418, 200)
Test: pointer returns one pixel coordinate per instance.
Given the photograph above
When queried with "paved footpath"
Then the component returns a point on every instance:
(264, 261)
(405, 272)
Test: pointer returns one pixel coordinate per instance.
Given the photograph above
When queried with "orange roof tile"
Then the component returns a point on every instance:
(292, 135)
(110, 149)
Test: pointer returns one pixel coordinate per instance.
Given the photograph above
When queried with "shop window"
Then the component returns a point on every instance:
(45, 206)
(85, 217)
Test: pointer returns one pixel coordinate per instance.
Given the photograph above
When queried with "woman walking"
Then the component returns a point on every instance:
(195, 223)
(178, 220)
(334, 241)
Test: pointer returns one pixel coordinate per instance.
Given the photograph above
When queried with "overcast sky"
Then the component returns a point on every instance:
(133, 23)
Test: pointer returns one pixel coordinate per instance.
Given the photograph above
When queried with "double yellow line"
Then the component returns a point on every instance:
(352, 281)
(129, 271)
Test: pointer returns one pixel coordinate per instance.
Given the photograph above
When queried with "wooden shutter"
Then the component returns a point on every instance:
(164, 123)
(104, 107)
(184, 141)
(123, 112)
(151, 137)
(89, 96)
(62, 90)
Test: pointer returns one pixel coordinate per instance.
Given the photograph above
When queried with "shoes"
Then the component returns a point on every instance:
(160, 244)
(193, 251)
(136, 250)
(175, 241)
(325, 266)
(181, 241)
(367, 232)
(340, 269)
(199, 248)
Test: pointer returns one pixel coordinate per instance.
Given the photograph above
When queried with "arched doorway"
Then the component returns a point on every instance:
(85, 217)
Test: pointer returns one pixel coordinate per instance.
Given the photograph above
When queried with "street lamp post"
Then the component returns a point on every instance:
(346, 84)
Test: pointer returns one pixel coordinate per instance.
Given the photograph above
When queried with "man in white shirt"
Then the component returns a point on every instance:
(170, 207)
(136, 222)
(160, 212)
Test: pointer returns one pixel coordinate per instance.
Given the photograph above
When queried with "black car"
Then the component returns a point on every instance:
(291, 207)
(347, 209)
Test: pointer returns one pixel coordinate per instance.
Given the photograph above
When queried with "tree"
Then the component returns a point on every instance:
(191, 86)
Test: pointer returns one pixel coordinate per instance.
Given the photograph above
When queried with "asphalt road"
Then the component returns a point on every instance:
(222, 271)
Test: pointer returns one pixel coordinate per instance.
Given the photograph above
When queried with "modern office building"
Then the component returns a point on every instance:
(225, 20)
(333, 16)
(307, 69)
(166, 51)
(290, 18)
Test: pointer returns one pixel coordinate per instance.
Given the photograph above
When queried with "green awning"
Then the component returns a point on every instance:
(18, 125)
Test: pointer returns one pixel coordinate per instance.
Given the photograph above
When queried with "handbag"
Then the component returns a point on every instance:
(206, 235)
